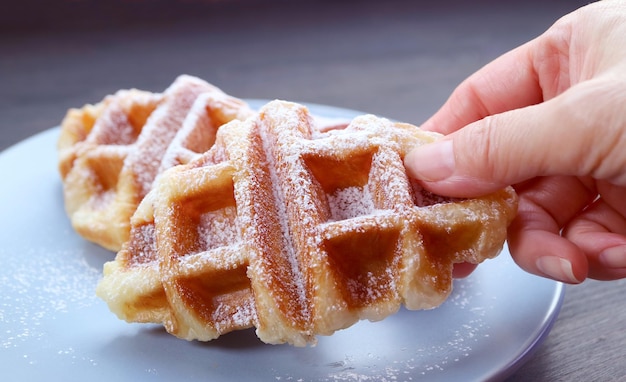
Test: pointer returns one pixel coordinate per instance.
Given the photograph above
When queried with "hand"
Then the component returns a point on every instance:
(548, 118)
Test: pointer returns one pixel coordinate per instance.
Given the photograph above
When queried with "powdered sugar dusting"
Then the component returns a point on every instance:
(388, 354)
(196, 125)
(279, 197)
(350, 202)
(243, 315)
(211, 109)
(217, 228)
(143, 246)
(113, 128)
(160, 129)
(335, 209)
(423, 198)
(42, 286)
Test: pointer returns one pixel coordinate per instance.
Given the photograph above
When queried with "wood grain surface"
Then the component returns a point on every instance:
(399, 59)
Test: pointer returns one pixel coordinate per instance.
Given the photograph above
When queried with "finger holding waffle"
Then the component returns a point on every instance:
(297, 230)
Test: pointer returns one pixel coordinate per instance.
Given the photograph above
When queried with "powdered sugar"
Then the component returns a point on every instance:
(240, 316)
(160, 130)
(332, 210)
(218, 229)
(42, 285)
(199, 127)
(113, 127)
(143, 248)
(350, 202)
(269, 147)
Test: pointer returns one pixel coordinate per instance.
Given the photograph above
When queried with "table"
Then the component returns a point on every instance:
(397, 58)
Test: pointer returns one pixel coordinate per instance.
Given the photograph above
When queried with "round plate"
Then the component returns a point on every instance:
(53, 325)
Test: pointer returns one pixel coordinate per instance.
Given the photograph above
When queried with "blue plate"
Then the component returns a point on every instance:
(53, 326)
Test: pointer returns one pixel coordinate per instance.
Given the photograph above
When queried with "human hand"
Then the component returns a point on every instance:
(549, 118)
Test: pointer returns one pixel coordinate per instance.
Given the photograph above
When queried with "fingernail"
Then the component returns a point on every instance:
(614, 257)
(557, 268)
(432, 162)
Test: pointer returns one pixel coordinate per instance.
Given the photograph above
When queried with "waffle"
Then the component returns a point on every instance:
(297, 232)
(111, 152)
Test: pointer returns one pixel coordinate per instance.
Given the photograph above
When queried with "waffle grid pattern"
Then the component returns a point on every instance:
(296, 232)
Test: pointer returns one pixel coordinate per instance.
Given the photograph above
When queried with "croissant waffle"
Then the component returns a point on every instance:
(297, 232)
(110, 153)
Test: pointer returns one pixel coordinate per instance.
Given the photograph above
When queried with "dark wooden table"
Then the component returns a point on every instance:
(399, 59)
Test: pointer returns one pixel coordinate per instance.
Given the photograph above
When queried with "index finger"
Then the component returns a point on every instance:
(524, 76)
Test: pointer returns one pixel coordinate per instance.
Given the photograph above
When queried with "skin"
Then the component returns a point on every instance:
(549, 118)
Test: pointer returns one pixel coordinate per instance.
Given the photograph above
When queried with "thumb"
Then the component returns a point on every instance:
(573, 134)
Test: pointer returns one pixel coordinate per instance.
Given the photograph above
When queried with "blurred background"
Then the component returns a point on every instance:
(397, 58)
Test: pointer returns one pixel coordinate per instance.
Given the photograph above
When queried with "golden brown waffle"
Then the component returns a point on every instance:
(296, 232)
(111, 153)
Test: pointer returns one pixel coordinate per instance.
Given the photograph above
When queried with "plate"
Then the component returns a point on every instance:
(53, 325)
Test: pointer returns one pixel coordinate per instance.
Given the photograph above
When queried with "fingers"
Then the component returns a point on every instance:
(562, 233)
(489, 154)
(507, 83)
(539, 117)
(547, 254)
(580, 132)
(600, 232)
(534, 236)
(532, 73)
(462, 270)
(605, 251)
